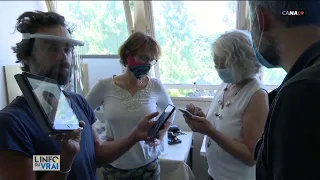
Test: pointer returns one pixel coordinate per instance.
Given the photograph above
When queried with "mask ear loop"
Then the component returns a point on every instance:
(261, 34)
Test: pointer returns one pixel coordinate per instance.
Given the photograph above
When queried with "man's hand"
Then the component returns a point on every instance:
(70, 142)
(195, 110)
(141, 131)
(199, 124)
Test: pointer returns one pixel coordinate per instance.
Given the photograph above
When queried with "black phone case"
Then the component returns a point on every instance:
(35, 107)
(160, 122)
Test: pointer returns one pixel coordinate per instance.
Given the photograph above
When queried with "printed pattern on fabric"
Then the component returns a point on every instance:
(150, 171)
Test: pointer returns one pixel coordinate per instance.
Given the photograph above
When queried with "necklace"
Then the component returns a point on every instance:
(222, 102)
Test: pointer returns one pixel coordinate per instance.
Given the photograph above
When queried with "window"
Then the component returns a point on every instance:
(273, 77)
(100, 67)
(185, 30)
(100, 24)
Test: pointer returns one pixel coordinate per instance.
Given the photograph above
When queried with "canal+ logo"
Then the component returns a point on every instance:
(292, 13)
(46, 162)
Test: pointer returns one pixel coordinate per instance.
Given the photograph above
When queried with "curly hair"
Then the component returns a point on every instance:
(235, 47)
(30, 22)
(136, 42)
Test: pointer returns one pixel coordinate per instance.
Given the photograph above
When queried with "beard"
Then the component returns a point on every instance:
(269, 48)
(61, 72)
(62, 75)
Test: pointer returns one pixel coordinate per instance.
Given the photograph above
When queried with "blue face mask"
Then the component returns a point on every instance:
(259, 56)
(225, 75)
(261, 59)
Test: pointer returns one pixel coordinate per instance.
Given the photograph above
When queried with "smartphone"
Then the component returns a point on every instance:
(186, 113)
(48, 102)
(153, 132)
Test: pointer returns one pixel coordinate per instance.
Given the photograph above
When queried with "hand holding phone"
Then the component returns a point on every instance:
(153, 132)
(186, 113)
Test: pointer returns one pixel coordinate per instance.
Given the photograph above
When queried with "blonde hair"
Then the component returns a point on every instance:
(137, 42)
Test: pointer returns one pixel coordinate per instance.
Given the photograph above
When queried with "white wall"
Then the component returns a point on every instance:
(10, 10)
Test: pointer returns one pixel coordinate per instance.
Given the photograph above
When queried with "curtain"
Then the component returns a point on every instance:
(51, 5)
(143, 21)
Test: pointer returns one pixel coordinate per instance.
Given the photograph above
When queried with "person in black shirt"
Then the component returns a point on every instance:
(290, 146)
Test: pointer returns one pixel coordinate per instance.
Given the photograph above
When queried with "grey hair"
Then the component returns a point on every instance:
(275, 7)
(235, 48)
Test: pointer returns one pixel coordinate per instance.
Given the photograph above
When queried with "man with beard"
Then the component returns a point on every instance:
(21, 135)
(291, 141)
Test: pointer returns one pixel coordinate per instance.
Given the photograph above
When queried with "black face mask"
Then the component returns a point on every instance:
(141, 70)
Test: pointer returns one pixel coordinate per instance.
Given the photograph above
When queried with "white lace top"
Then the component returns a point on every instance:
(122, 112)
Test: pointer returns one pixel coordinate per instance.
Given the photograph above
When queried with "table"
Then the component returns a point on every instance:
(174, 164)
(203, 146)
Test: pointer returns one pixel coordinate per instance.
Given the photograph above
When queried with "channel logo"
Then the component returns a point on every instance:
(292, 13)
(46, 162)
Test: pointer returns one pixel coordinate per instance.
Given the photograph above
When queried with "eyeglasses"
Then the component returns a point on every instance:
(145, 59)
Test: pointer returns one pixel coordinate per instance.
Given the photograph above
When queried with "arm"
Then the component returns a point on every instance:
(16, 150)
(13, 161)
(254, 118)
(110, 150)
(95, 95)
(163, 101)
(294, 133)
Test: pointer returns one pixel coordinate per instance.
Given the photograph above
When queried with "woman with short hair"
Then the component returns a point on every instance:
(237, 114)
(126, 99)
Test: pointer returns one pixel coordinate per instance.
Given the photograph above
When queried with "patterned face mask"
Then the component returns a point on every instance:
(137, 69)
(141, 70)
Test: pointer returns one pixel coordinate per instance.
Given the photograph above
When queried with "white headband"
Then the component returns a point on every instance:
(52, 37)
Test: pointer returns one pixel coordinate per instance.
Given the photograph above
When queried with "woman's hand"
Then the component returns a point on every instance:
(195, 110)
(152, 143)
(141, 131)
(199, 124)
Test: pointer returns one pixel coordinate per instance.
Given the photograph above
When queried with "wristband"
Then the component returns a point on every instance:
(64, 172)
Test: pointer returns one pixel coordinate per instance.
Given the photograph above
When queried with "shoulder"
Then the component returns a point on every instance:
(103, 82)
(17, 109)
(300, 90)
(256, 83)
(79, 99)
(260, 94)
(296, 103)
(156, 84)
(258, 101)
(155, 81)
(18, 127)
(255, 89)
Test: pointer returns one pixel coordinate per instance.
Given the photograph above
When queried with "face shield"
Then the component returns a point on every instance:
(57, 58)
